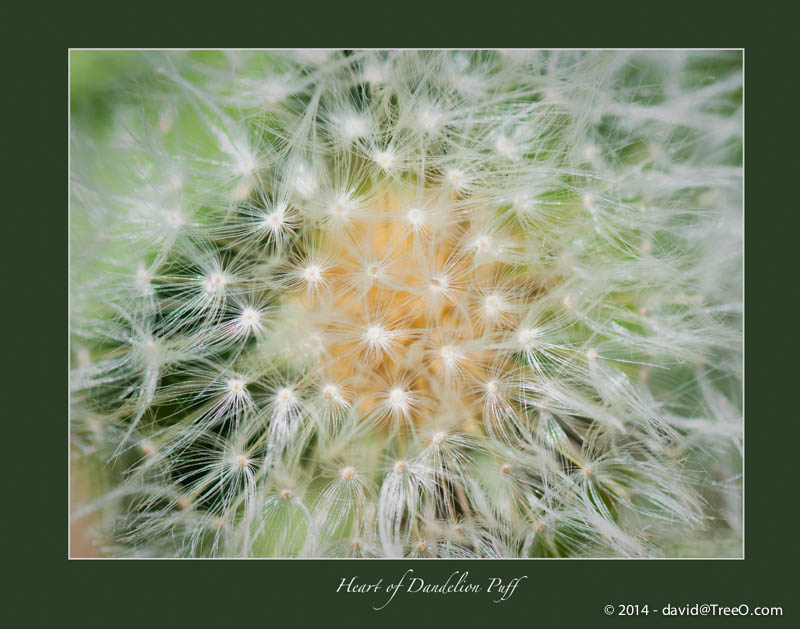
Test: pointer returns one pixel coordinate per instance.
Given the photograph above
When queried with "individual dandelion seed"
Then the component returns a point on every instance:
(236, 388)
(241, 461)
(487, 247)
(309, 271)
(312, 274)
(249, 320)
(222, 398)
(416, 219)
(341, 208)
(494, 306)
(400, 303)
(376, 339)
(457, 179)
(285, 401)
(400, 504)
(334, 395)
(214, 283)
(386, 159)
(396, 403)
(342, 509)
(278, 224)
(451, 358)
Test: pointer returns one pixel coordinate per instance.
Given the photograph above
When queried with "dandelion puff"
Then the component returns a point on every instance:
(459, 304)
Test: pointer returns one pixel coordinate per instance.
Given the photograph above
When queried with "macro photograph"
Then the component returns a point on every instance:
(406, 304)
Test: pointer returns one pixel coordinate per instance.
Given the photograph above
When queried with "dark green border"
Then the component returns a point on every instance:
(267, 593)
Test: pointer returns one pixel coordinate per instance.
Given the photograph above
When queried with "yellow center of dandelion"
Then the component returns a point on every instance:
(396, 333)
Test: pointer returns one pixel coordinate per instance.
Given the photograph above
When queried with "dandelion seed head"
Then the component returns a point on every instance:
(330, 391)
(275, 220)
(152, 348)
(441, 245)
(493, 304)
(376, 334)
(525, 336)
(236, 386)
(312, 274)
(384, 159)
(399, 398)
(246, 166)
(482, 243)
(439, 284)
(448, 353)
(415, 217)
(341, 208)
(285, 397)
(215, 283)
(456, 178)
(249, 320)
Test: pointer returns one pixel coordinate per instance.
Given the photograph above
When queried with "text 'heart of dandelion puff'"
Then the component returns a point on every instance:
(460, 304)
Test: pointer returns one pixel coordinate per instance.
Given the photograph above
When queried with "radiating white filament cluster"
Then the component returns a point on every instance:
(413, 304)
